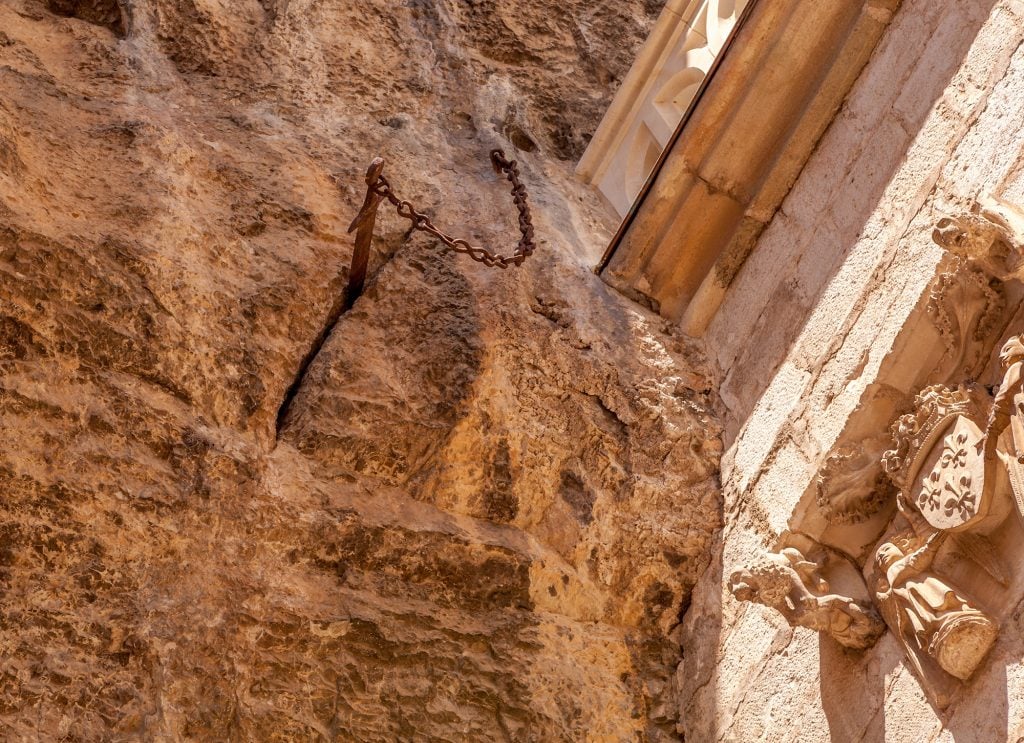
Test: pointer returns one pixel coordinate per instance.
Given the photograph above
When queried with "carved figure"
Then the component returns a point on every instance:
(794, 586)
(1008, 411)
(935, 622)
(992, 236)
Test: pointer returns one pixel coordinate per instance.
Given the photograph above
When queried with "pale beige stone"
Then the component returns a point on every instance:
(839, 316)
(655, 95)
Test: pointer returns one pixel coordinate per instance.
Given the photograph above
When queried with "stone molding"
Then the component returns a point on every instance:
(740, 149)
(654, 96)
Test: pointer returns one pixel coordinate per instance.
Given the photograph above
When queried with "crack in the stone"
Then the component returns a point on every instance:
(338, 308)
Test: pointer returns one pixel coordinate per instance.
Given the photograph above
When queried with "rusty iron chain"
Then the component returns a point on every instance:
(420, 221)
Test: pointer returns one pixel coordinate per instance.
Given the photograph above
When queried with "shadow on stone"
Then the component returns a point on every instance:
(106, 13)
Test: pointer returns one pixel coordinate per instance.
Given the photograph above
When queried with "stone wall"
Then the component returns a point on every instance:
(824, 337)
(486, 507)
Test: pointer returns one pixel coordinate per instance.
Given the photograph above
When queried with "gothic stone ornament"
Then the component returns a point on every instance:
(1008, 413)
(951, 489)
(966, 300)
(965, 305)
(852, 486)
(792, 583)
(941, 629)
(991, 236)
(939, 460)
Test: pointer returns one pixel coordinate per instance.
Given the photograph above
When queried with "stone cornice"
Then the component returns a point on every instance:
(654, 96)
(739, 151)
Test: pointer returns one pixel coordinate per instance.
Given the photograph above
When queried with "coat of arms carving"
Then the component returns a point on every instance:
(956, 463)
(940, 460)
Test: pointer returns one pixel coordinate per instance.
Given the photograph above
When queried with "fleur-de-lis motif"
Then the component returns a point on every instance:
(954, 457)
(962, 499)
(929, 495)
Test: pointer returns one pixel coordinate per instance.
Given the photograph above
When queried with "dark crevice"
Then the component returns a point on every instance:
(106, 13)
(340, 306)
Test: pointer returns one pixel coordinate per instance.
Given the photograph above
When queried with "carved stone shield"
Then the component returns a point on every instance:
(949, 489)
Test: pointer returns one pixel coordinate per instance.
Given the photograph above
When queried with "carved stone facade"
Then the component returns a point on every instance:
(956, 464)
(655, 95)
(853, 285)
(953, 473)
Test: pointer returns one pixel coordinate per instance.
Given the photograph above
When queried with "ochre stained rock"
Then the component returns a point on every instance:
(493, 491)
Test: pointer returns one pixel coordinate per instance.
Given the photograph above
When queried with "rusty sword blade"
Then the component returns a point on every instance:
(363, 226)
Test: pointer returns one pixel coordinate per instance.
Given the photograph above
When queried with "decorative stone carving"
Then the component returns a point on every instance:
(991, 236)
(966, 300)
(951, 490)
(965, 305)
(935, 409)
(792, 581)
(939, 627)
(1008, 413)
(939, 461)
(852, 486)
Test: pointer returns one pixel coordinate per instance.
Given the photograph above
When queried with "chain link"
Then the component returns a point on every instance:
(421, 222)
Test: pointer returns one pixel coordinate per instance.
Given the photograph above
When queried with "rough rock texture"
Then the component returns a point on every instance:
(492, 494)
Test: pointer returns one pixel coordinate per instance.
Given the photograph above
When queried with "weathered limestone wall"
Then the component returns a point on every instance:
(828, 315)
(492, 496)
